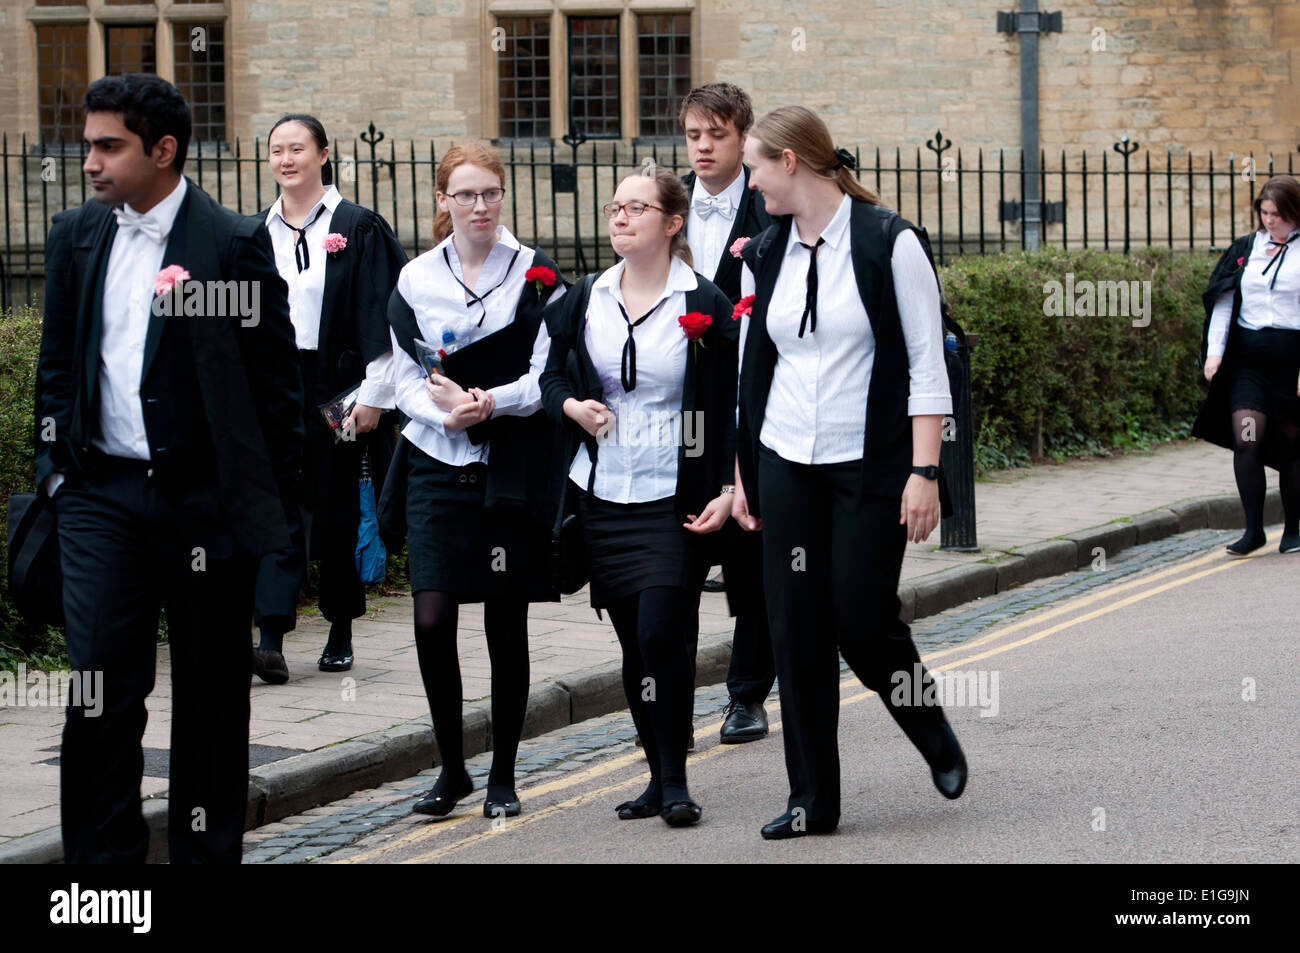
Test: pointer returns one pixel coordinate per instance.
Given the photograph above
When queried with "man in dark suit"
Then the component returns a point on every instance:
(716, 118)
(169, 436)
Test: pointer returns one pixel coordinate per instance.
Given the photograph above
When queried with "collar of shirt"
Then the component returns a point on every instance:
(733, 192)
(681, 277)
(835, 232)
(330, 200)
(494, 266)
(164, 213)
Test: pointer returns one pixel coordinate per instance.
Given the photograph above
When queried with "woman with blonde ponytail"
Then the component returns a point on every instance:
(475, 457)
(842, 397)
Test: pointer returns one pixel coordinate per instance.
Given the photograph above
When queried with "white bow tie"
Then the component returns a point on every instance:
(708, 204)
(130, 219)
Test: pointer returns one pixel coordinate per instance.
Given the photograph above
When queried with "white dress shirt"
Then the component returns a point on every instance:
(307, 288)
(438, 301)
(133, 262)
(1261, 306)
(636, 461)
(707, 234)
(816, 408)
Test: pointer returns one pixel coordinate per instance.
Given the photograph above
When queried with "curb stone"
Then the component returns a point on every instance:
(313, 778)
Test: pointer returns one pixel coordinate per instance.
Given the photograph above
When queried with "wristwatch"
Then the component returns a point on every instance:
(930, 473)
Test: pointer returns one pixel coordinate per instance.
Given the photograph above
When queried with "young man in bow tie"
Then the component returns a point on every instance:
(176, 443)
(716, 118)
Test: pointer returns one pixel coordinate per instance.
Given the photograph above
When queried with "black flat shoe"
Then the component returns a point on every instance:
(1246, 545)
(440, 805)
(1289, 544)
(788, 825)
(495, 809)
(635, 810)
(335, 661)
(953, 781)
(681, 813)
(270, 666)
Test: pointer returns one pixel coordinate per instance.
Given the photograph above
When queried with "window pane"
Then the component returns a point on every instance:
(663, 70)
(524, 78)
(593, 76)
(62, 78)
(129, 49)
(201, 77)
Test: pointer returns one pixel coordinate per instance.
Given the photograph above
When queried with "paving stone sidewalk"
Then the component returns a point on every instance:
(316, 710)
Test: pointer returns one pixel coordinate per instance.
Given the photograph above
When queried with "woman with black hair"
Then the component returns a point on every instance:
(340, 262)
(639, 354)
(1251, 354)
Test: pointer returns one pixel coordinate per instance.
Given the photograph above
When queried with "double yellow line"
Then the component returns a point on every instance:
(1144, 587)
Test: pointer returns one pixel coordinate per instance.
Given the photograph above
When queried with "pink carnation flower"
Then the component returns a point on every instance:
(168, 278)
(738, 245)
(334, 242)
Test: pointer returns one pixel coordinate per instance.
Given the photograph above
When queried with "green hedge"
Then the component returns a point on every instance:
(1057, 386)
(1053, 386)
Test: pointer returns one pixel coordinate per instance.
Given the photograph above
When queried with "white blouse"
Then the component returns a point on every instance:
(307, 288)
(438, 300)
(636, 460)
(1261, 306)
(816, 408)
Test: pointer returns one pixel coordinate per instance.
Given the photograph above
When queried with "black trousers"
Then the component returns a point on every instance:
(831, 565)
(752, 671)
(326, 526)
(131, 542)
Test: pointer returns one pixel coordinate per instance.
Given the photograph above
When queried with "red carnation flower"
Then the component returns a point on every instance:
(738, 246)
(1240, 262)
(744, 306)
(541, 276)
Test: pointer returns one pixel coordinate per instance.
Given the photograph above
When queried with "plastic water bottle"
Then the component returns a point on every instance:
(950, 342)
(449, 343)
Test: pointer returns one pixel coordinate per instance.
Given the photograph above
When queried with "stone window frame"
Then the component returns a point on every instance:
(168, 17)
(559, 11)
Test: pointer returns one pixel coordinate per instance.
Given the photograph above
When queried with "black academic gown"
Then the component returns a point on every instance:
(353, 332)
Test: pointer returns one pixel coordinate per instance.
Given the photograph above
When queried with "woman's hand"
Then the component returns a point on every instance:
(591, 415)
(445, 393)
(920, 508)
(477, 409)
(740, 507)
(363, 419)
(1212, 366)
(714, 516)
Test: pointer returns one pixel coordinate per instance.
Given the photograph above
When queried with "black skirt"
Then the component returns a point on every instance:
(634, 546)
(455, 545)
(1268, 368)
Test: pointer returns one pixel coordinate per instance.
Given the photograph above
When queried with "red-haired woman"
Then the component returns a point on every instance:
(1251, 355)
(475, 457)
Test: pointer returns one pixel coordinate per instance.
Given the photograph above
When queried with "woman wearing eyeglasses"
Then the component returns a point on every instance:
(650, 394)
(476, 454)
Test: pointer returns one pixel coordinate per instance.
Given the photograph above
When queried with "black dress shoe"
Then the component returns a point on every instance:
(270, 666)
(789, 825)
(743, 721)
(681, 813)
(953, 781)
(716, 584)
(1289, 544)
(509, 808)
(440, 805)
(334, 661)
(635, 810)
(1246, 545)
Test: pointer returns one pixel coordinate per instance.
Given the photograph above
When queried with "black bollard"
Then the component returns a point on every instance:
(957, 454)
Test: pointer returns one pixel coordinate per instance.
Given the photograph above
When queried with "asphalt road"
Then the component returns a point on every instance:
(1149, 720)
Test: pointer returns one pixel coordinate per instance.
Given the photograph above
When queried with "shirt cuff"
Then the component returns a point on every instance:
(921, 405)
(379, 394)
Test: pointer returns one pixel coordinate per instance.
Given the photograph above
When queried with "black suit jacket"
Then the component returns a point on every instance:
(751, 218)
(221, 396)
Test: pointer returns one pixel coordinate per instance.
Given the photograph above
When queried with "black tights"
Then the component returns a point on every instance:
(505, 622)
(653, 628)
(1249, 431)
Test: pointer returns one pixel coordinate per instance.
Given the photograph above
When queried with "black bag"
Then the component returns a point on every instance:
(568, 550)
(35, 576)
